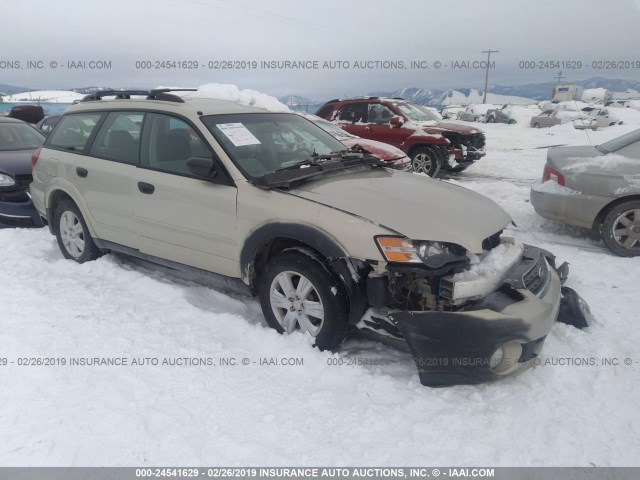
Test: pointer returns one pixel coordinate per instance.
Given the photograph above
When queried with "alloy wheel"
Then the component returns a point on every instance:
(72, 234)
(422, 163)
(295, 302)
(626, 230)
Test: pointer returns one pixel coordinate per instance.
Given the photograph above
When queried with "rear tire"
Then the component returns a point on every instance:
(298, 292)
(536, 125)
(621, 229)
(426, 160)
(73, 236)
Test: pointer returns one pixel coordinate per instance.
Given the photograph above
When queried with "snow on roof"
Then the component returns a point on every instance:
(229, 92)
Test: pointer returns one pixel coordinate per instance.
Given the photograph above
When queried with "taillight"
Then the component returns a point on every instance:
(551, 174)
(34, 157)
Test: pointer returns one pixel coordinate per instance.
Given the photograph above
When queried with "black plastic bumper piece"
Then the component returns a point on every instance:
(455, 349)
(19, 214)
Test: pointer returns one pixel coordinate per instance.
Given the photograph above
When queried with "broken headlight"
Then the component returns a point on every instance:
(432, 254)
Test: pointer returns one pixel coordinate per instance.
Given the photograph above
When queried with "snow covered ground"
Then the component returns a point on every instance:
(563, 412)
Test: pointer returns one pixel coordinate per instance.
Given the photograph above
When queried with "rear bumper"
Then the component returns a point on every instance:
(453, 348)
(19, 214)
(576, 209)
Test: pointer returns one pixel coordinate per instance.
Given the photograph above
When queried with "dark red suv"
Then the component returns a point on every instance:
(430, 143)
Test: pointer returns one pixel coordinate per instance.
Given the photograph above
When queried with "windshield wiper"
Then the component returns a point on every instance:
(317, 160)
(289, 177)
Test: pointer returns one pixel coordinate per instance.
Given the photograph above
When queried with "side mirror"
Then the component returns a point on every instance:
(203, 167)
(396, 121)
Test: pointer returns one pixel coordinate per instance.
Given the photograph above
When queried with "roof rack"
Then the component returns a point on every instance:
(154, 94)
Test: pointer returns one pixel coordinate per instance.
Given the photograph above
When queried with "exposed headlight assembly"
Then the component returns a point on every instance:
(431, 254)
(6, 180)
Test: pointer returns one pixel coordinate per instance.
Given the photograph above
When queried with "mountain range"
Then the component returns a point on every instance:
(533, 91)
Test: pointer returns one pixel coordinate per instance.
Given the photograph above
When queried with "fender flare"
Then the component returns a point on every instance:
(317, 239)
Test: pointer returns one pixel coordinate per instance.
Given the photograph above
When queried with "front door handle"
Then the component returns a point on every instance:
(146, 188)
(367, 129)
(82, 172)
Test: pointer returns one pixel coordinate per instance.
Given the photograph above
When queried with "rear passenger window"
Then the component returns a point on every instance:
(169, 143)
(73, 131)
(119, 137)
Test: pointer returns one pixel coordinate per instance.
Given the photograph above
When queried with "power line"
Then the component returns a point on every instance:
(560, 76)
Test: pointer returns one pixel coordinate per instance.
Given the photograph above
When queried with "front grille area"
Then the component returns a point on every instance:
(475, 141)
(537, 278)
(23, 181)
(491, 242)
(14, 196)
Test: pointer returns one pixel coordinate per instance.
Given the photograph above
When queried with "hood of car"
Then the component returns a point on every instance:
(440, 127)
(16, 162)
(412, 205)
(380, 150)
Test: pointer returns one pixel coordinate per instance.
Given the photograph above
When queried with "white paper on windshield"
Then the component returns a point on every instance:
(238, 134)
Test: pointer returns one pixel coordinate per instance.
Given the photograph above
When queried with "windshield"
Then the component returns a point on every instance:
(19, 136)
(416, 113)
(261, 143)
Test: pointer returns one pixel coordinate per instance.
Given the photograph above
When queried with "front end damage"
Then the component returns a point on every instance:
(464, 149)
(470, 323)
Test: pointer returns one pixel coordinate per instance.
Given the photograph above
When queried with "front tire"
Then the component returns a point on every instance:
(426, 160)
(298, 292)
(73, 236)
(621, 229)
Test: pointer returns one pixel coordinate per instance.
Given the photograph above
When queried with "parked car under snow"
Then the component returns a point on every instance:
(592, 118)
(475, 112)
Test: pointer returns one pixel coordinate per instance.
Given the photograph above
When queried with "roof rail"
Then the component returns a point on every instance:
(121, 94)
(163, 94)
(397, 98)
(155, 94)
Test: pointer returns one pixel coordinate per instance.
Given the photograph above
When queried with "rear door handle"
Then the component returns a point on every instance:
(82, 172)
(146, 188)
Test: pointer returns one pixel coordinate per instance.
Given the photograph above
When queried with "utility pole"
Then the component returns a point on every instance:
(486, 76)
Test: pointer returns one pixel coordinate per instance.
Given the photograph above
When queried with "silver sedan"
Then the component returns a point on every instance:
(596, 187)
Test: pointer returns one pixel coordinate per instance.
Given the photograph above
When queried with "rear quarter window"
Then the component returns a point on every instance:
(74, 131)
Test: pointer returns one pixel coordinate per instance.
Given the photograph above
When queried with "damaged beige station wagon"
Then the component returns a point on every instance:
(329, 239)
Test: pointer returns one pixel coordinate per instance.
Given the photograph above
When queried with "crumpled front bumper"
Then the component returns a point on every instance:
(19, 214)
(452, 348)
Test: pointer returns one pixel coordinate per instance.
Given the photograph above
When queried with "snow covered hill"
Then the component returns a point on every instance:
(48, 96)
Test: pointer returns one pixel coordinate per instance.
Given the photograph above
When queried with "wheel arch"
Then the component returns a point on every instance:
(443, 146)
(599, 219)
(272, 239)
(54, 197)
